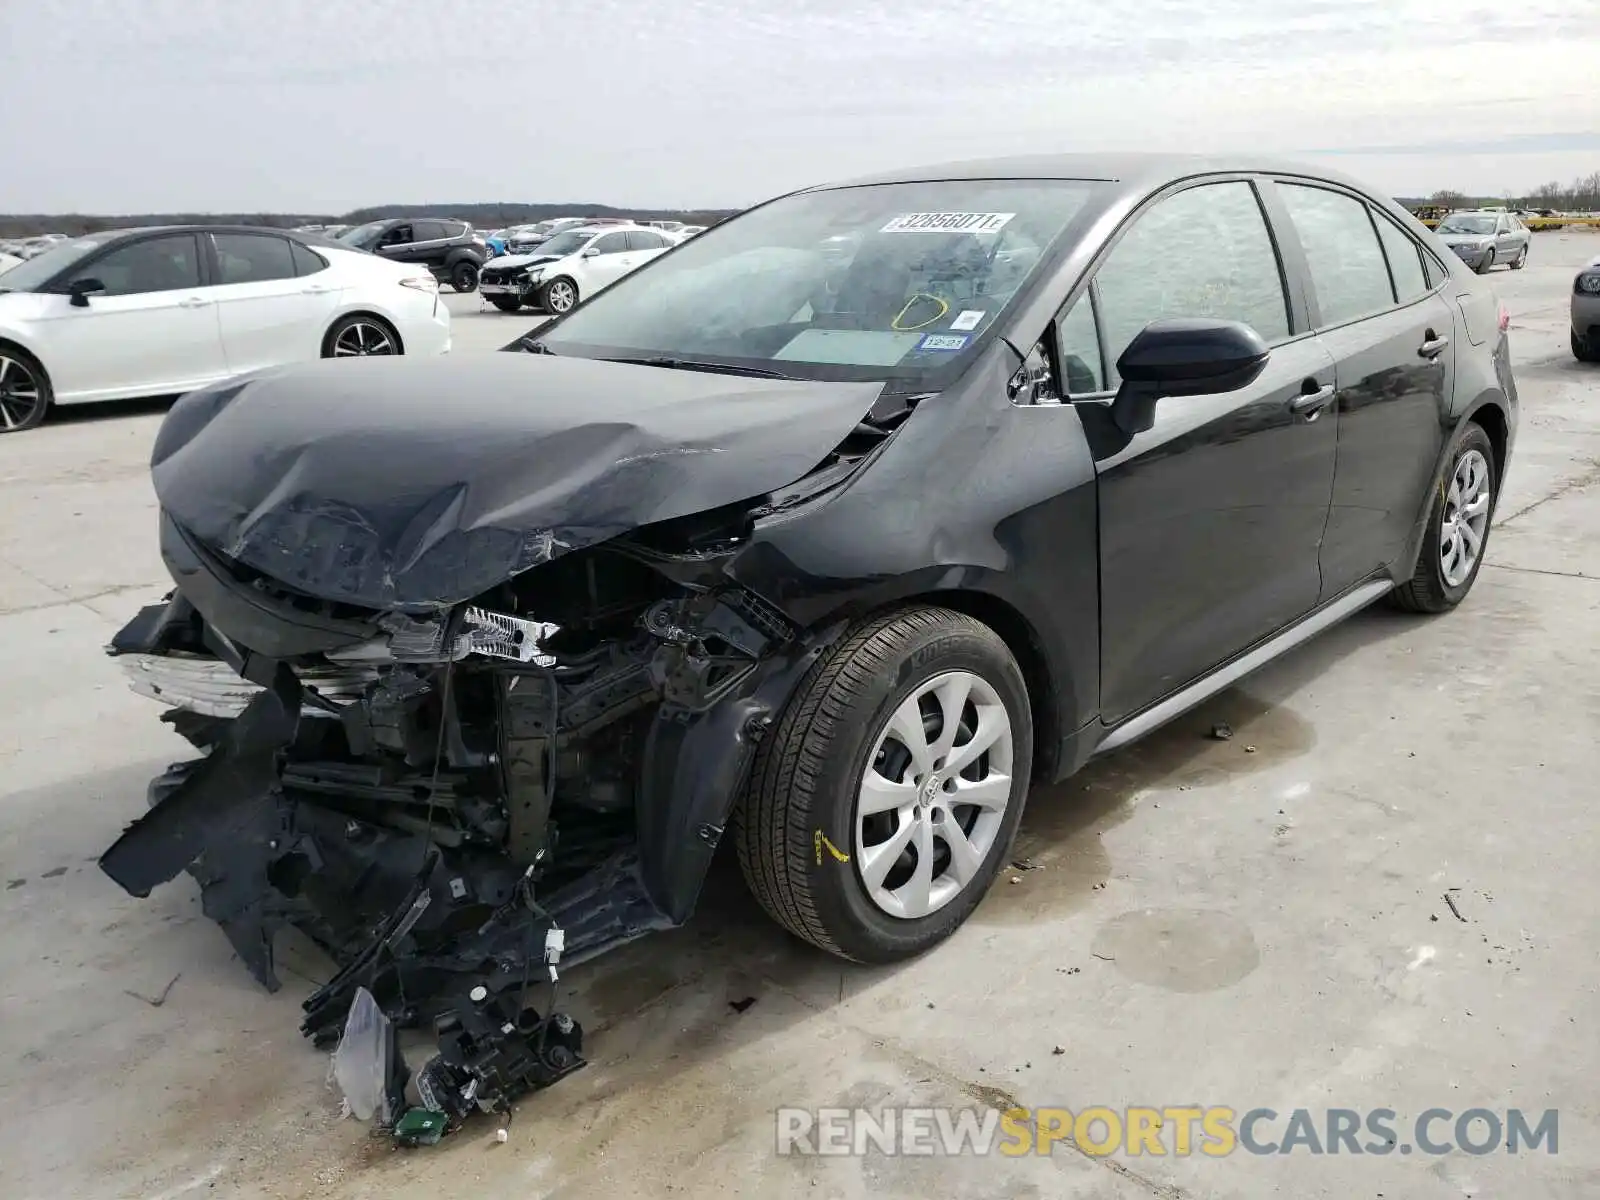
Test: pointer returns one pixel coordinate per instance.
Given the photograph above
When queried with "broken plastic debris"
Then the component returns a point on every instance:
(502, 1136)
(361, 1062)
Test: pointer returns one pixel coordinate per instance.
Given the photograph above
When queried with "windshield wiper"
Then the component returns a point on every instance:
(687, 364)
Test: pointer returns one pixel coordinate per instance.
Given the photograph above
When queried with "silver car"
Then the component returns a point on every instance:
(1586, 312)
(1482, 239)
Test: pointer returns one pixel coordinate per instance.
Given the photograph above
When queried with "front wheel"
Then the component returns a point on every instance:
(1585, 349)
(1458, 529)
(1521, 260)
(884, 801)
(464, 276)
(1487, 264)
(506, 303)
(558, 296)
(25, 394)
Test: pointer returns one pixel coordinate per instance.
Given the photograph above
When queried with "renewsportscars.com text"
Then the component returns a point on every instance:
(1171, 1130)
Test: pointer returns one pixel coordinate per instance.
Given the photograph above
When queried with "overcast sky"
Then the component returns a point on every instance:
(326, 105)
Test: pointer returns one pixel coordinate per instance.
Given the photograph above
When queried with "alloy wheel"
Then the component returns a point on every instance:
(19, 393)
(1466, 518)
(932, 800)
(361, 338)
(561, 297)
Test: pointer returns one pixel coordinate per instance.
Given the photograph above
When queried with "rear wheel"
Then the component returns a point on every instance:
(360, 336)
(1585, 349)
(883, 803)
(464, 276)
(1458, 528)
(25, 394)
(506, 303)
(558, 296)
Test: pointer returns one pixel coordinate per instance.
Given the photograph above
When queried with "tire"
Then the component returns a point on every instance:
(1431, 589)
(804, 852)
(560, 290)
(25, 393)
(360, 335)
(1585, 349)
(506, 303)
(1521, 260)
(464, 276)
(1487, 264)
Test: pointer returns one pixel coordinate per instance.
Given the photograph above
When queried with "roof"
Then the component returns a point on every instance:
(298, 235)
(1129, 168)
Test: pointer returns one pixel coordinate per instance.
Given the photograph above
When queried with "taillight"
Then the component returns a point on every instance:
(1505, 317)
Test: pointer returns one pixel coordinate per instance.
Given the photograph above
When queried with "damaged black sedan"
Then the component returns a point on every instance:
(827, 532)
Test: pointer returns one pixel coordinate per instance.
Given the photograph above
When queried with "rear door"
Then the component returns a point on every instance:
(153, 330)
(1391, 334)
(1209, 521)
(645, 244)
(270, 314)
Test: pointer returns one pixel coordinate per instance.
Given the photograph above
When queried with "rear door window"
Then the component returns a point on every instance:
(252, 258)
(306, 260)
(1346, 262)
(1203, 252)
(1405, 261)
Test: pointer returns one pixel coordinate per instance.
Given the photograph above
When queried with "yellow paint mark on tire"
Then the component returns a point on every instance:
(819, 840)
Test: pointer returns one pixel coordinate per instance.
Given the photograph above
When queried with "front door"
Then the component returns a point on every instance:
(1210, 521)
(152, 330)
(610, 262)
(1392, 340)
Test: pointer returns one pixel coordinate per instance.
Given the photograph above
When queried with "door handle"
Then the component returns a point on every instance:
(315, 289)
(1310, 404)
(1434, 346)
(194, 302)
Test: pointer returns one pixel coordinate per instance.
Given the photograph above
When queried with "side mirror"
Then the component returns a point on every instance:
(591, 252)
(1183, 356)
(81, 289)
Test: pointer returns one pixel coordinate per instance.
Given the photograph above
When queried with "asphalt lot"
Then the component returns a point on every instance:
(1258, 922)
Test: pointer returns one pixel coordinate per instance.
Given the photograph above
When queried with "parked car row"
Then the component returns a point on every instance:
(151, 312)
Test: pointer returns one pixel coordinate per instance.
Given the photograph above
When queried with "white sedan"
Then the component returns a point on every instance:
(153, 312)
(570, 267)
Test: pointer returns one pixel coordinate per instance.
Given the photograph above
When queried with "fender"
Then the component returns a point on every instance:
(695, 767)
(1492, 398)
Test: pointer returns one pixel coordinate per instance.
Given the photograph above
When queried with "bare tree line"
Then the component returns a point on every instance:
(1581, 195)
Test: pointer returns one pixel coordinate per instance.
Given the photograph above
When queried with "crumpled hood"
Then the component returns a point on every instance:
(420, 483)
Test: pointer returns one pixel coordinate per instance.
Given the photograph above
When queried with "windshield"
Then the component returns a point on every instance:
(566, 243)
(1467, 224)
(363, 236)
(888, 281)
(39, 270)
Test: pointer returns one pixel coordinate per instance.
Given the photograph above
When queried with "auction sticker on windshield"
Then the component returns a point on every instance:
(943, 341)
(948, 222)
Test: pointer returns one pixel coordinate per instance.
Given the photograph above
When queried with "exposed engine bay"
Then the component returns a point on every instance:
(454, 800)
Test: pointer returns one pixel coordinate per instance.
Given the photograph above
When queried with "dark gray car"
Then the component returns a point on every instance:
(1482, 239)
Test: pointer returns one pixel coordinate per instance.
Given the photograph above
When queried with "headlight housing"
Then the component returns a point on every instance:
(421, 283)
(1589, 283)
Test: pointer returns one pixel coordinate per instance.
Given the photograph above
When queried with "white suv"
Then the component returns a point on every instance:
(570, 267)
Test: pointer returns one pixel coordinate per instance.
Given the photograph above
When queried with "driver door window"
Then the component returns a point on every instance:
(159, 264)
(611, 243)
(400, 235)
(1203, 252)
